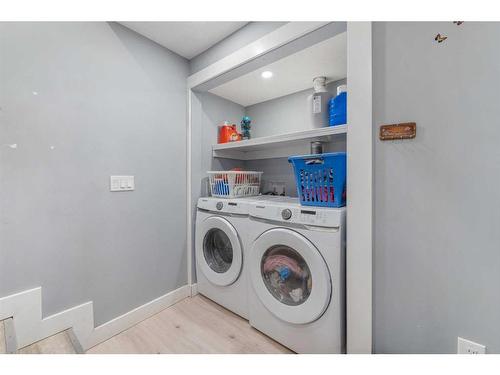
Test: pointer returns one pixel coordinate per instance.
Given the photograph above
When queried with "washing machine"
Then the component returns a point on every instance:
(220, 250)
(296, 267)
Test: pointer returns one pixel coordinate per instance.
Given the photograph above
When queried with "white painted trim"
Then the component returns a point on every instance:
(194, 289)
(273, 40)
(359, 188)
(75, 342)
(26, 309)
(189, 206)
(10, 336)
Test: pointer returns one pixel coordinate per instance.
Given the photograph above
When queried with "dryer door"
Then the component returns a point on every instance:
(290, 276)
(218, 251)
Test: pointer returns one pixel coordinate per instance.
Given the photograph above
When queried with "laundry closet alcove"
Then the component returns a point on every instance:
(232, 88)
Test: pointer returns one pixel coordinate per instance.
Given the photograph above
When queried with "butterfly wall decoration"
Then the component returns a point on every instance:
(440, 38)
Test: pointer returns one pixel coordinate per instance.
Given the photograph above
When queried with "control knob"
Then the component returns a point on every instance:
(286, 214)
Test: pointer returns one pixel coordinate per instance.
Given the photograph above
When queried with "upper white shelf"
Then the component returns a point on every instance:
(274, 146)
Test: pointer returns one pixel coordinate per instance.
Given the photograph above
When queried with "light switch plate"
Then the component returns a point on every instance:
(469, 347)
(121, 183)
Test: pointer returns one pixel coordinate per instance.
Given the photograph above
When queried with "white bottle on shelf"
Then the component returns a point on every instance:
(318, 103)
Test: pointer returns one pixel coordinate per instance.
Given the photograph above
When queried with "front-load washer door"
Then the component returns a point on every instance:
(218, 251)
(289, 276)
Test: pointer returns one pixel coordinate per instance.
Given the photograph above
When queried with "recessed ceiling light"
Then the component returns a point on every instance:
(266, 74)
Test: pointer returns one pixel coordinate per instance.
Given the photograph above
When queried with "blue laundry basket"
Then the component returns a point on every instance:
(321, 179)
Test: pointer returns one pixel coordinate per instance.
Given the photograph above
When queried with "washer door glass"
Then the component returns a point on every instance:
(219, 254)
(286, 275)
(289, 276)
(217, 250)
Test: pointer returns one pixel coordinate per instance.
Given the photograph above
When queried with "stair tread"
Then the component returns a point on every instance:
(59, 343)
(3, 345)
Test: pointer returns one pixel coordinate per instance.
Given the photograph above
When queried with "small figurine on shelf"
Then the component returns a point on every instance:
(245, 127)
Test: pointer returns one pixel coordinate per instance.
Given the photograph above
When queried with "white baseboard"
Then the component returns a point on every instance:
(194, 289)
(10, 336)
(26, 309)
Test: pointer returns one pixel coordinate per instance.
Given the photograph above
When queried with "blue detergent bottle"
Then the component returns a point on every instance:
(338, 107)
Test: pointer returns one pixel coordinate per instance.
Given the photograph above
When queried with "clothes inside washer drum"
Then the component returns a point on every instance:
(277, 262)
(286, 275)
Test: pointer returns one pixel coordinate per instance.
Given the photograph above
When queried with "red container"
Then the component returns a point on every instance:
(228, 133)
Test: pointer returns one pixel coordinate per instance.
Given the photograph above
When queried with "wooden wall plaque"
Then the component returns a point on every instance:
(405, 130)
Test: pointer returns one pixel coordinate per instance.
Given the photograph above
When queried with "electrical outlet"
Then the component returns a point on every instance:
(469, 347)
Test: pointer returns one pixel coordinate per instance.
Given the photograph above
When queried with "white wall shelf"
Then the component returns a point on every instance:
(275, 146)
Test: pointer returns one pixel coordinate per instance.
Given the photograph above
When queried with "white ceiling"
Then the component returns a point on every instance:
(291, 74)
(187, 39)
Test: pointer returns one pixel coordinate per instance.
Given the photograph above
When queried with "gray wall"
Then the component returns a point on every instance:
(242, 37)
(215, 111)
(275, 170)
(437, 258)
(286, 114)
(109, 102)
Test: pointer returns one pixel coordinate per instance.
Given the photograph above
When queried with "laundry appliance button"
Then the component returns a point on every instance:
(286, 214)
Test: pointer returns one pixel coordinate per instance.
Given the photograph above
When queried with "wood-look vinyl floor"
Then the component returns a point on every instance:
(194, 325)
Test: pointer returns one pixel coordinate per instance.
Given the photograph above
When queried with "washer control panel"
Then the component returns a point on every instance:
(236, 206)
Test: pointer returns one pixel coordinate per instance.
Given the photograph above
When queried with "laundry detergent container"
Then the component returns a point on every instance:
(321, 179)
(338, 107)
